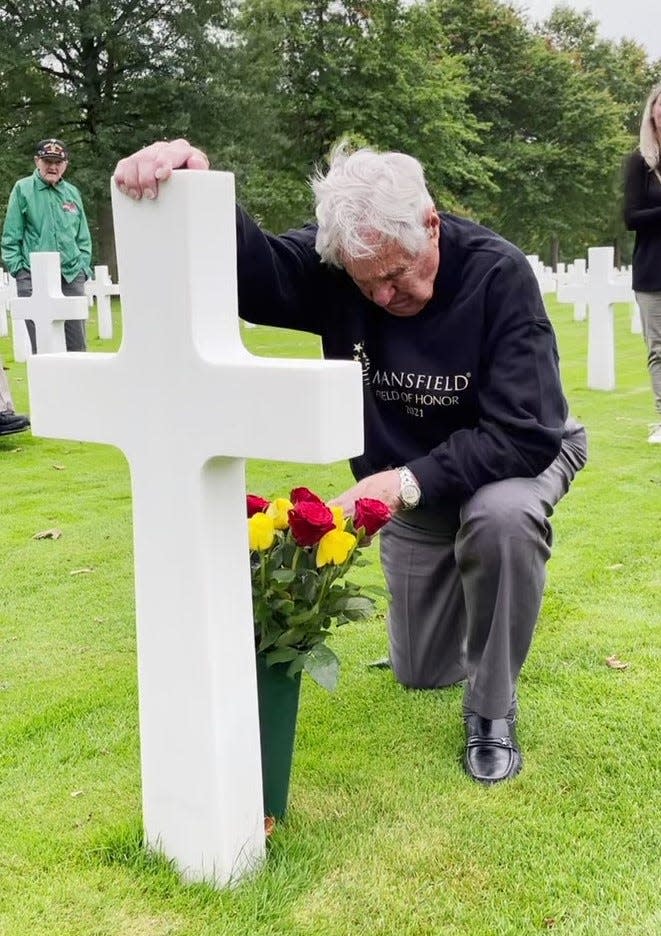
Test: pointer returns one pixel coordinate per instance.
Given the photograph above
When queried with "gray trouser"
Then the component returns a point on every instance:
(650, 317)
(74, 329)
(466, 583)
(6, 402)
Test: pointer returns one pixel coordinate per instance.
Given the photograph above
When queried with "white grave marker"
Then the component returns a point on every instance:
(187, 404)
(102, 288)
(599, 292)
(47, 307)
(576, 275)
(19, 334)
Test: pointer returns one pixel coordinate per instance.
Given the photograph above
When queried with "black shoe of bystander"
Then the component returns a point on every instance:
(12, 422)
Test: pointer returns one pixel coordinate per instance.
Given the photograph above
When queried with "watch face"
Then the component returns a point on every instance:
(410, 494)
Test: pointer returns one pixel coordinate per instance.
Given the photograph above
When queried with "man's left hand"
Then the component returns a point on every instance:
(383, 486)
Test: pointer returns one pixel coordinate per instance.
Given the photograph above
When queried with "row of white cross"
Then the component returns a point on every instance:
(595, 287)
(49, 309)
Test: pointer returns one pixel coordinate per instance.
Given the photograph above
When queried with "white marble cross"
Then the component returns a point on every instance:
(187, 404)
(599, 292)
(19, 333)
(47, 307)
(102, 288)
(546, 279)
(576, 275)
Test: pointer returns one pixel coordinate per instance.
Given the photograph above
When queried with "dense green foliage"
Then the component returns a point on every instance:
(524, 129)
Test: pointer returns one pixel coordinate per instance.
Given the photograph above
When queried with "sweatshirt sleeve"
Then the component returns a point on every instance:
(277, 276)
(522, 409)
(12, 234)
(638, 214)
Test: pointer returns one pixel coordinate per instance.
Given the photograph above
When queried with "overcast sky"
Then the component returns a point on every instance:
(618, 19)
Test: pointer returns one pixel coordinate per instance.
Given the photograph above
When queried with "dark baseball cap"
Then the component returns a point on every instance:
(52, 149)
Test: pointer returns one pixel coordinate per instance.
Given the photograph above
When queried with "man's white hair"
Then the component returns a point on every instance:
(649, 138)
(368, 198)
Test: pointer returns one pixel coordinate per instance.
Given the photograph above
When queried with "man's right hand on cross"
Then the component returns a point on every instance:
(139, 175)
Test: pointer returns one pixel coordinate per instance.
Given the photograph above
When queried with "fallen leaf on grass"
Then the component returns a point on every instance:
(614, 663)
(14, 451)
(269, 825)
(48, 534)
(549, 922)
(75, 793)
(616, 565)
(80, 571)
(59, 467)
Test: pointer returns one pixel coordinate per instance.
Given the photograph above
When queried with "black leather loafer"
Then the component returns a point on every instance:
(492, 753)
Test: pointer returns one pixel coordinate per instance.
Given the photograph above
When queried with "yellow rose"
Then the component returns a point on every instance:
(334, 547)
(338, 517)
(278, 510)
(261, 532)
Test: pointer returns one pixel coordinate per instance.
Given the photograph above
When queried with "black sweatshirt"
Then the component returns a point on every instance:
(642, 214)
(465, 392)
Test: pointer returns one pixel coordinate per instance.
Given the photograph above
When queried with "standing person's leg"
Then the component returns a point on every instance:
(74, 329)
(650, 317)
(10, 422)
(6, 402)
(23, 289)
(426, 615)
(502, 547)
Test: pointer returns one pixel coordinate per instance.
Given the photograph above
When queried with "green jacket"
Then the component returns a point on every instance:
(46, 217)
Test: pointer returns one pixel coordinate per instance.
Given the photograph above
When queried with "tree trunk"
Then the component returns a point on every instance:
(106, 246)
(555, 253)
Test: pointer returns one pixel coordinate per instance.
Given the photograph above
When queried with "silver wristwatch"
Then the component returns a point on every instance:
(409, 489)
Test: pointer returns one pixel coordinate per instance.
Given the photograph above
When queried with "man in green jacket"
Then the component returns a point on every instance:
(45, 213)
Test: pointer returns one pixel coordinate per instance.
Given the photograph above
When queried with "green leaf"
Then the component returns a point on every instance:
(323, 666)
(365, 605)
(282, 655)
(284, 575)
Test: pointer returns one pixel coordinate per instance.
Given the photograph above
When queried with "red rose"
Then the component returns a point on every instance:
(370, 514)
(304, 494)
(256, 504)
(309, 520)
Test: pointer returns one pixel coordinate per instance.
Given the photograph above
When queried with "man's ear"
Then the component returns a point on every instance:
(433, 222)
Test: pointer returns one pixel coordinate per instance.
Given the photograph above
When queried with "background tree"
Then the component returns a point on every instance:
(624, 72)
(120, 74)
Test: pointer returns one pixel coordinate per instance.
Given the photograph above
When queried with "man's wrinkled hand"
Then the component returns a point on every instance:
(383, 486)
(141, 173)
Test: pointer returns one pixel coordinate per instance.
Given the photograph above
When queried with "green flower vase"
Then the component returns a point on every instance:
(278, 696)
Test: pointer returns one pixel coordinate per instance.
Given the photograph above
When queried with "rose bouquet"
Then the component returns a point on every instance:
(300, 550)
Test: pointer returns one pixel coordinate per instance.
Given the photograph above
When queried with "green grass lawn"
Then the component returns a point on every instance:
(385, 834)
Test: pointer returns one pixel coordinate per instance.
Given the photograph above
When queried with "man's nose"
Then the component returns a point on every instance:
(383, 293)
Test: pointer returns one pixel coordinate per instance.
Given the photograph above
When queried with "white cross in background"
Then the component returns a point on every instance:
(187, 404)
(47, 307)
(102, 288)
(576, 275)
(599, 292)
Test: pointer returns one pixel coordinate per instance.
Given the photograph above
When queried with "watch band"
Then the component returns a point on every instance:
(409, 489)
